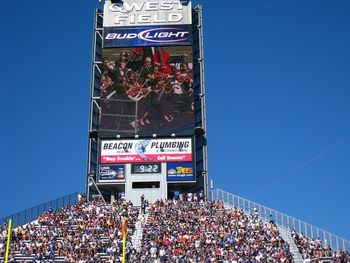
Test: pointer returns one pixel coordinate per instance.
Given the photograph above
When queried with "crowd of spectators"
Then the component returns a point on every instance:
(80, 233)
(3, 236)
(183, 231)
(313, 250)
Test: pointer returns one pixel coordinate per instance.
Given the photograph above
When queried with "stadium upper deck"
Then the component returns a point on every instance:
(172, 231)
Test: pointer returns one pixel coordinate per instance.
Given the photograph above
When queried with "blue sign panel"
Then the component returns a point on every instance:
(180, 171)
(147, 36)
(111, 173)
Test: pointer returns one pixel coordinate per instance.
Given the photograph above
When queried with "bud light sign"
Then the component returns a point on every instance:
(180, 171)
(147, 35)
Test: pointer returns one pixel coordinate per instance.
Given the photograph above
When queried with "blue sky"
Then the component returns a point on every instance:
(277, 82)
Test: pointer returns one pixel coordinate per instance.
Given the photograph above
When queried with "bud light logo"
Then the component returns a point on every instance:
(145, 36)
(156, 35)
(164, 35)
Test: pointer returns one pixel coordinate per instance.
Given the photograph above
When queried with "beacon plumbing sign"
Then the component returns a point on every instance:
(146, 151)
(147, 36)
(144, 12)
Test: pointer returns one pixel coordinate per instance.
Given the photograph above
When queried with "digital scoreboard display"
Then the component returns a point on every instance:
(146, 168)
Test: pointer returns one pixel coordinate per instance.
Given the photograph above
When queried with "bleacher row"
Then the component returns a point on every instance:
(87, 232)
(172, 231)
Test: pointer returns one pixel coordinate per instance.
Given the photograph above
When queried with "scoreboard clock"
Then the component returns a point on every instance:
(146, 168)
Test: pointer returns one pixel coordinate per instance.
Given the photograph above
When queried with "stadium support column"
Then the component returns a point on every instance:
(201, 97)
(211, 190)
(93, 135)
(204, 109)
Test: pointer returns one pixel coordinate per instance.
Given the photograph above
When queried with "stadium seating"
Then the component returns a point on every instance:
(206, 232)
(87, 232)
(313, 250)
(171, 231)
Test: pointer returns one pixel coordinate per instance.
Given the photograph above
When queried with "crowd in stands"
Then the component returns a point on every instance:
(313, 250)
(183, 231)
(3, 236)
(77, 233)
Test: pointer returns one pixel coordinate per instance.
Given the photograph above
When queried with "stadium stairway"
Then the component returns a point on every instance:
(286, 235)
(284, 232)
(138, 233)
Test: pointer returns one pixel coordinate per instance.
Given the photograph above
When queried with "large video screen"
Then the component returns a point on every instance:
(147, 90)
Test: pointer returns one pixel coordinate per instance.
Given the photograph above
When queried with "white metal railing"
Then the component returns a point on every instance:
(33, 213)
(281, 219)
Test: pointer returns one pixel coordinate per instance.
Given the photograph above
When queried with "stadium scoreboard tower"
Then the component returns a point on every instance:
(147, 129)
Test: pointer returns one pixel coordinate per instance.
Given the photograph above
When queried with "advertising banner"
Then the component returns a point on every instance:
(147, 90)
(111, 173)
(147, 35)
(147, 12)
(146, 151)
(180, 171)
